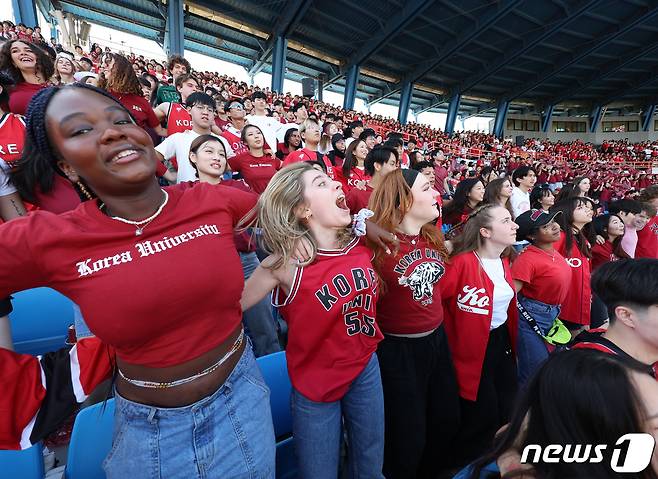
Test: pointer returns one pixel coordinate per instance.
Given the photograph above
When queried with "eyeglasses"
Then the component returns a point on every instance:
(236, 106)
(204, 108)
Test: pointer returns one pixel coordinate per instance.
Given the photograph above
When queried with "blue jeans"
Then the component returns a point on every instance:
(227, 434)
(531, 349)
(317, 429)
(258, 322)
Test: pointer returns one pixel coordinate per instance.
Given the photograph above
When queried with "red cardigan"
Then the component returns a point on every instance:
(468, 322)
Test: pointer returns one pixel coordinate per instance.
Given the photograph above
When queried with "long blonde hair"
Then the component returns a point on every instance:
(282, 228)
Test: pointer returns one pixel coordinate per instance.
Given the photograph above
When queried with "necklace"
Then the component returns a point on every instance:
(413, 239)
(140, 225)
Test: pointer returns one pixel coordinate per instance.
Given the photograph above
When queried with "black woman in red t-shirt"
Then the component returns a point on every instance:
(187, 383)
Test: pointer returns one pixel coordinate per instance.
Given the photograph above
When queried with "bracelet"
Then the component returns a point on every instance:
(359, 222)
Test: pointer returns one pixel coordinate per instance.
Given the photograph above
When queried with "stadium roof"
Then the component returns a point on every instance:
(575, 54)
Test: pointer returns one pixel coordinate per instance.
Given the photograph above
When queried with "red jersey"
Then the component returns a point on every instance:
(256, 171)
(576, 306)
(543, 279)
(139, 108)
(12, 138)
(331, 311)
(647, 240)
(84, 254)
(357, 174)
(232, 134)
(178, 119)
(304, 154)
(357, 199)
(412, 302)
(468, 294)
(21, 94)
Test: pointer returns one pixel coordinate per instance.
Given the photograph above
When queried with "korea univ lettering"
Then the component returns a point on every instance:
(423, 275)
(145, 248)
(359, 312)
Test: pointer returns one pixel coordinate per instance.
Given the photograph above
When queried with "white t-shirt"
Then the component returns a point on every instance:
(284, 128)
(178, 145)
(503, 292)
(269, 125)
(6, 188)
(519, 201)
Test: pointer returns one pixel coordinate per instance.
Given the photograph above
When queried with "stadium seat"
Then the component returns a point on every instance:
(27, 464)
(91, 441)
(40, 320)
(275, 372)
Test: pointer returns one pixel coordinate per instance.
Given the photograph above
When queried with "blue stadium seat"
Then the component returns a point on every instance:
(40, 320)
(27, 464)
(91, 441)
(275, 372)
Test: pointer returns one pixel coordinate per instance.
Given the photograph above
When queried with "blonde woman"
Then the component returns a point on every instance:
(329, 304)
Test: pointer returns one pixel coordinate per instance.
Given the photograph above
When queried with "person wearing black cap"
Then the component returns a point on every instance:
(542, 278)
(421, 400)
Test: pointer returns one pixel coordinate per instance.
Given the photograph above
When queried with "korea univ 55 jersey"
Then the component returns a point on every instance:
(331, 311)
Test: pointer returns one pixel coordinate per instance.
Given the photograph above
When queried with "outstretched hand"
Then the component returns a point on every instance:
(380, 237)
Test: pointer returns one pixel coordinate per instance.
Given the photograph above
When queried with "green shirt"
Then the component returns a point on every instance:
(167, 93)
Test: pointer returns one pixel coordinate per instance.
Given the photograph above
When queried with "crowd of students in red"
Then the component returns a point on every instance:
(423, 341)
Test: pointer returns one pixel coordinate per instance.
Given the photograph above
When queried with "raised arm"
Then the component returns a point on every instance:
(260, 284)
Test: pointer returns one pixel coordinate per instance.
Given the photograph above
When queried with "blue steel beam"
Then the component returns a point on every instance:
(501, 115)
(351, 82)
(595, 118)
(640, 81)
(609, 69)
(453, 112)
(405, 102)
(546, 117)
(25, 11)
(647, 116)
(411, 10)
(175, 29)
(610, 34)
(279, 63)
(489, 18)
(291, 15)
(538, 35)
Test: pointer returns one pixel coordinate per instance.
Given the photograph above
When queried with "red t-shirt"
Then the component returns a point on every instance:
(331, 311)
(647, 240)
(304, 154)
(355, 175)
(257, 172)
(543, 279)
(576, 306)
(602, 253)
(63, 197)
(21, 94)
(139, 108)
(12, 138)
(357, 199)
(412, 302)
(100, 264)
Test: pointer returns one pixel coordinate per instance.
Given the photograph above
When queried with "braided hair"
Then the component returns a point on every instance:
(37, 166)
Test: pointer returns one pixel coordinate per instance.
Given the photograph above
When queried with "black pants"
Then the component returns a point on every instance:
(495, 399)
(421, 405)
